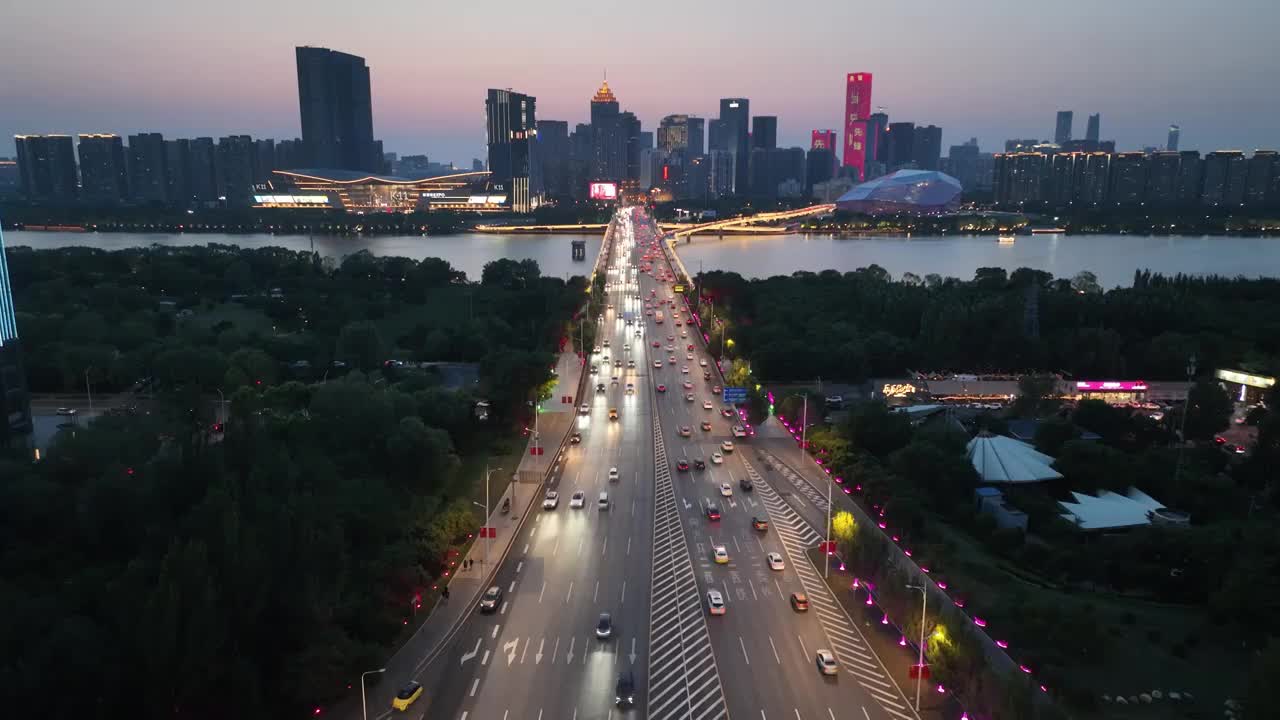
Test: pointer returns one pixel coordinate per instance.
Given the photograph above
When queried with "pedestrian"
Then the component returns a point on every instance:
(445, 592)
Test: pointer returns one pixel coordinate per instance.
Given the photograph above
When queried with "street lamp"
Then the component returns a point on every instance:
(924, 602)
(364, 708)
(1186, 410)
(488, 541)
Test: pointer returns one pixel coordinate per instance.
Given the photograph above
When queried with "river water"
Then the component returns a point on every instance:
(1113, 258)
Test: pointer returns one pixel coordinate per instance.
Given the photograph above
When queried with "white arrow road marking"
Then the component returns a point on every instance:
(555, 651)
(510, 649)
(632, 655)
(537, 657)
(470, 655)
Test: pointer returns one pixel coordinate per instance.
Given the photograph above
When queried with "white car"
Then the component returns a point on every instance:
(684, 369)
(775, 561)
(826, 661)
(688, 397)
(703, 362)
(721, 554)
(688, 356)
(717, 459)
(715, 602)
(578, 500)
(706, 405)
(657, 364)
(551, 500)
(584, 409)
(613, 474)
(726, 446)
(726, 490)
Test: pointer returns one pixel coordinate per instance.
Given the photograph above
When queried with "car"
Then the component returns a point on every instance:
(726, 490)
(631, 364)
(721, 554)
(597, 350)
(671, 360)
(613, 414)
(699, 464)
(671, 338)
(726, 412)
(715, 389)
(835, 401)
(575, 439)
(657, 363)
(599, 387)
(657, 344)
(713, 512)
(746, 484)
(661, 388)
(491, 600)
(584, 409)
(1217, 439)
(715, 602)
(682, 466)
(706, 426)
(617, 363)
(799, 602)
(687, 385)
(726, 446)
(1238, 449)
(706, 404)
(759, 523)
(826, 662)
(595, 369)
(631, 389)
(775, 561)
(717, 458)
(706, 374)
(685, 431)
(407, 696)
(624, 692)
(551, 500)
(626, 347)
(689, 357)
(688, 397)
(604, 626)
(685, 369)
(689, 346)
(613, 474)
(578, 500)
(606, 342)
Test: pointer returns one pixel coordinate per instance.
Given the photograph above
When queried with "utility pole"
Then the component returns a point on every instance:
(924, 602)
(1186, 410)
(88, 390)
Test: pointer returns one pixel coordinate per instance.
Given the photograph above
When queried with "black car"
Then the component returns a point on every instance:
(491, 600)
(604, 627)
(745, 484)
(599, 387)
(624, 693)
(699, 464)
(575, 438)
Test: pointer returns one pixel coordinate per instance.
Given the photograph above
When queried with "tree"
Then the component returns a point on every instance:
(1085, 282)
(1259, 703)
(1036, 394)
(873, 427)
(360, 346)
(1208, 410)
(1053, 433)
(844, 529)
(1089, 466)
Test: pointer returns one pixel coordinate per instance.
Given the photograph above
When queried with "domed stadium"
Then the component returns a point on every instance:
(915, 192)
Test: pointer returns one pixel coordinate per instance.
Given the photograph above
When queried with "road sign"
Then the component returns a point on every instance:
(537, 450)
(488, 532)
(678, 288)
(918, 671)
(734, 395)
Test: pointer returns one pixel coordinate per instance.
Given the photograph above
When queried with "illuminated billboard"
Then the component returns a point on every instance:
(1110, 385)
(604, 191)
(1235, 376)
(857, 108)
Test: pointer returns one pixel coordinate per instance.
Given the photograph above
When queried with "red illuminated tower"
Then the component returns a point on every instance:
(823, 140)
(857, 108)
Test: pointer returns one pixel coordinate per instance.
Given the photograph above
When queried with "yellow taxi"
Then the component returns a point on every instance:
(613, 413)
(407, 696)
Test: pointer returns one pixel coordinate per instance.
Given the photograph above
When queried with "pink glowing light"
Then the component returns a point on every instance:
(979, 621)
(941, 690)
(842, 567)
(883, 526)
(902, 641)
(869, 598)
(908, 552)
(847, 491)
(1025, 669)
(839, 479)
(855, 584)
(895, 538)
(942, 585)
(1003, 645)
(924, 570)
(858, 487)
(884, 620)
(959, 602)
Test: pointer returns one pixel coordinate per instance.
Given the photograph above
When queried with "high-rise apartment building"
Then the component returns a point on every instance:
(819, 167)
(47, 168)
(1259, 179)
(1224, 178)
(511, 126)
(964, 163)
(857, 110)
(900, 145)
(204, 177)
(1062, 133)
(553, 156)
(735, 114)
(1128, 178)
(697, 135)
(336, 111)
(717, 136)
(148, 172)
(764, 132)
(233, 170)
(1171, 144)
(264, 160)
(103, 171)
(926, 147)
(1162, 179)
(1092, 130)
(721, 175)
(15, 403)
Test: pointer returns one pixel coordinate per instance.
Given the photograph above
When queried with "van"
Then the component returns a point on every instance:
(603, 502)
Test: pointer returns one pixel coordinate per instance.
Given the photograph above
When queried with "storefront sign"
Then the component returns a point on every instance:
(1235, 376)
(898, 390)
(1111, 385)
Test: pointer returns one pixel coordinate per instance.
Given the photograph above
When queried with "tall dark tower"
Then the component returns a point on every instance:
(735, 118)
(15, 404)
(512, 127)
(336, 110)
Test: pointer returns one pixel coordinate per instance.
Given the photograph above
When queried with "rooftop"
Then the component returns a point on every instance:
(1000, 459)
(1110, 510)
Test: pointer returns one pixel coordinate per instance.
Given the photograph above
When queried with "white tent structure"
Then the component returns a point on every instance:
(1000, 459)
(1110, 510)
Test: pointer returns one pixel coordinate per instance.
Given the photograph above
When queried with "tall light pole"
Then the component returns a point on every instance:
(1186, 410)
(88, 390)
(364, 707)
(924, 602)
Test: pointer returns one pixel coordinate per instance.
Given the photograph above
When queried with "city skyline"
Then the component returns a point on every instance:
(199, 88)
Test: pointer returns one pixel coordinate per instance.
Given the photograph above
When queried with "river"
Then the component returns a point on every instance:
(1113, 258)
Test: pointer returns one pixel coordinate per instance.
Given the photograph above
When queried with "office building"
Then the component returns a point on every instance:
(899, 145)
(772, 167)
(651, 162)
(646, 139)
(553, 157)
(1092, 130)
(735, 116)
(511, 128)
(1172, 143)
(47, 168)
(1062, 132)
(103, 172)
(615, 139)
(1263, 167)
(877, 124)
(857, 109)
(964, 164)
(148, 171)
(717, 137)
(629, 127)
(233, 170)
(820, 166)
(823, 140)
(15, 403)
(722, 174)
(926, 147)
(673, 134)
(764, 132)
(336, 111)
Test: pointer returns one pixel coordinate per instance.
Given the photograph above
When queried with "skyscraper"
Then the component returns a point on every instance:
(1062, 133)
(735, 115)
(717, 136)
(926, 147)
(46, 168)
(900, 144)
(103, 175)
(1091, 132)
(148, 171)
(15, 404)
(203, 179)
(822, 140)
(857, 110)
(673, 133)
(764, 132)
(697, 135)
(511, 125)
(336, 111)
(233, 169)
(553, 156)
(1174, 133)
(611, 148)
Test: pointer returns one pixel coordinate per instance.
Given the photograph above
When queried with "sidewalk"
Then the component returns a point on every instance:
(445, 618)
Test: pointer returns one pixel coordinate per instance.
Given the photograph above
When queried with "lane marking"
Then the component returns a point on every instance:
(475, 684)
(569, 594)
(775, 651)
(512, 587)
(503, 611)
(596, 593)
(543, 590)
(485, 660)
(743, 645)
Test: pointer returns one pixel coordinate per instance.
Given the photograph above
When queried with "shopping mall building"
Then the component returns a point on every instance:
(359, 192)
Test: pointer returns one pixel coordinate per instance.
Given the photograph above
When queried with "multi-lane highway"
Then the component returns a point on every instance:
(647, 558)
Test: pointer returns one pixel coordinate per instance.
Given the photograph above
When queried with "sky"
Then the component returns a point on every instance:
(990, 69)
